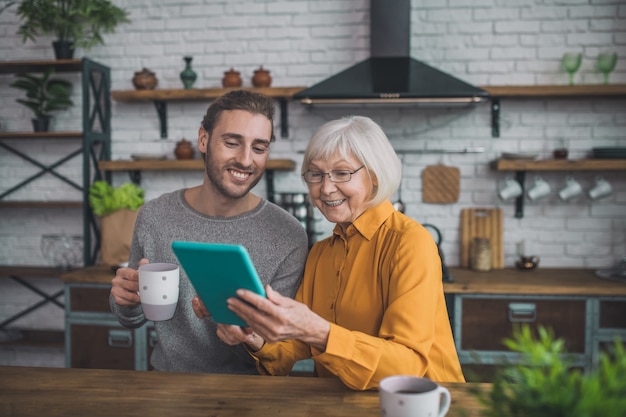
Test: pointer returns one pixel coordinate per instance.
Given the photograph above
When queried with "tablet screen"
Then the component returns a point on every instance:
(216, 271)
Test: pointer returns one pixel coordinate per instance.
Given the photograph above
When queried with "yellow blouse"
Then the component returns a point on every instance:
(379, 285)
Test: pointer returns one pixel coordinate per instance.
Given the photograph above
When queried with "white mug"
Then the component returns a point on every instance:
(601, 189)
(572, 189)
(412, 396)
(158, 289)
(511, 189)
(540, 189)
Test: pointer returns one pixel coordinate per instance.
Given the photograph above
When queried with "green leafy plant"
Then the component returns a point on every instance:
(545, 384)
(105, 199)
(44, 94)
(79, 21)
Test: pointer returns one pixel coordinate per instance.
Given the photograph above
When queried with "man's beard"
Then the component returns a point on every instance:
(216, 178)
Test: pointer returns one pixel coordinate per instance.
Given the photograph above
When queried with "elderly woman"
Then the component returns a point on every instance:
(371, 303)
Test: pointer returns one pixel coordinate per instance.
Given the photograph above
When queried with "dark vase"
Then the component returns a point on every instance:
(63, 49)
(188, 76)
(41, 124)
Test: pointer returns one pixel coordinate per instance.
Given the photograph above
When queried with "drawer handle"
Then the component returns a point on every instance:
(120, 338)
(522, 312)
(153, 338)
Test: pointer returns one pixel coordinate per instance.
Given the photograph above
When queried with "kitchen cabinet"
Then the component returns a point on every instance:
(93, 336)
(93, 141)
(585, 311)
(160, 98)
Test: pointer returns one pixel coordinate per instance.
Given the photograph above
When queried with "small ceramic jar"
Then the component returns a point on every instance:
(231, 78)
(145, 80)
(184, 150)
(261, 78)
(480, 255)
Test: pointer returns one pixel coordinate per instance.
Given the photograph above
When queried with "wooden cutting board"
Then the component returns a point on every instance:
(485, 223)
(441, 184)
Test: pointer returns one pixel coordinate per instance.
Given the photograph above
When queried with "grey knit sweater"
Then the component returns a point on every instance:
(277, 244)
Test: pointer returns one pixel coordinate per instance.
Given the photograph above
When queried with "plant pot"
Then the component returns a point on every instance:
(63, 49)
(41, 124)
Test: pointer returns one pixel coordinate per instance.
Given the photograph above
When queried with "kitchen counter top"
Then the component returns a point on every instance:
(36, 392)
(541, 281)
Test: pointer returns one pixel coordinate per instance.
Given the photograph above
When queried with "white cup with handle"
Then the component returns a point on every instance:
(158, 290)
(602, 188)
(511, 188)
(572, 189)
(540, 189)
(412, 396)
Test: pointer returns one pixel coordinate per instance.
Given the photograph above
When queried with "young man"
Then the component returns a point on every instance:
(234, 138)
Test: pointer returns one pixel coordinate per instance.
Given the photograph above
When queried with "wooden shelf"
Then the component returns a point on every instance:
(547, 91)
(195, 93)
(160, 98)
(134, 168)
(181, 165)
(59, 65)
(41, 204)
(41, 135)
(602, 90)
(520, 166)
(560, 165)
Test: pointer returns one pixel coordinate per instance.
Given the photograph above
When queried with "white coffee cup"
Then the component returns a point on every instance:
(601, 189)
(510, 189)
(412, 396)
(572, 189)
(540, 189)
(158, 289)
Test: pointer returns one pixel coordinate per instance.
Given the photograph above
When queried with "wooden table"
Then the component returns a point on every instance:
(38, 392)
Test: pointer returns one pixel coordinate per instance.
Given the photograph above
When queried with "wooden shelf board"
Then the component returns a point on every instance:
(41, 135)
(180, 165)
(195, 93)
(607, 90)
(60, 65)
(41, 204)
(560, 165)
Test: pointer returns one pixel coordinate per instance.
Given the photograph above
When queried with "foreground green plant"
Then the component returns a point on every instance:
(546, 385)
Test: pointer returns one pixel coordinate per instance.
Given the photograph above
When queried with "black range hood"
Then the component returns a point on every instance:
(390, 75)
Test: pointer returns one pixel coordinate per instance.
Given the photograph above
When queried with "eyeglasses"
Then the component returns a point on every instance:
(336, 175)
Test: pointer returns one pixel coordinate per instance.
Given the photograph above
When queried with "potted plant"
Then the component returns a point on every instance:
(75, 23)
(117, 208)
(44, 95)
(546, 383)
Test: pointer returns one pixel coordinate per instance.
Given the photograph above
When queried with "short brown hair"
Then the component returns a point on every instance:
(255, 103)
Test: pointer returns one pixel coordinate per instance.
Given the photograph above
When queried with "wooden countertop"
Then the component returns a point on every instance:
(37, 392)
(542, 281)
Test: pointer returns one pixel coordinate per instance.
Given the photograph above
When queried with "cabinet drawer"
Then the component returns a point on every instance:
(613, 314)
(103, 347)
(92, 299)
(486, 321)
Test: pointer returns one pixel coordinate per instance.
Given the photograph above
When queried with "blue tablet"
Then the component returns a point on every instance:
(216, 271)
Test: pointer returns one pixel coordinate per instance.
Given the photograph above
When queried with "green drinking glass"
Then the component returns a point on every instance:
(606, 64)
(571, 63)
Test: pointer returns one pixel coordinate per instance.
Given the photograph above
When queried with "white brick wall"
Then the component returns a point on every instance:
(302, 42)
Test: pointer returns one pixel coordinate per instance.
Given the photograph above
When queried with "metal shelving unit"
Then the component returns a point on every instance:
(95, 141)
